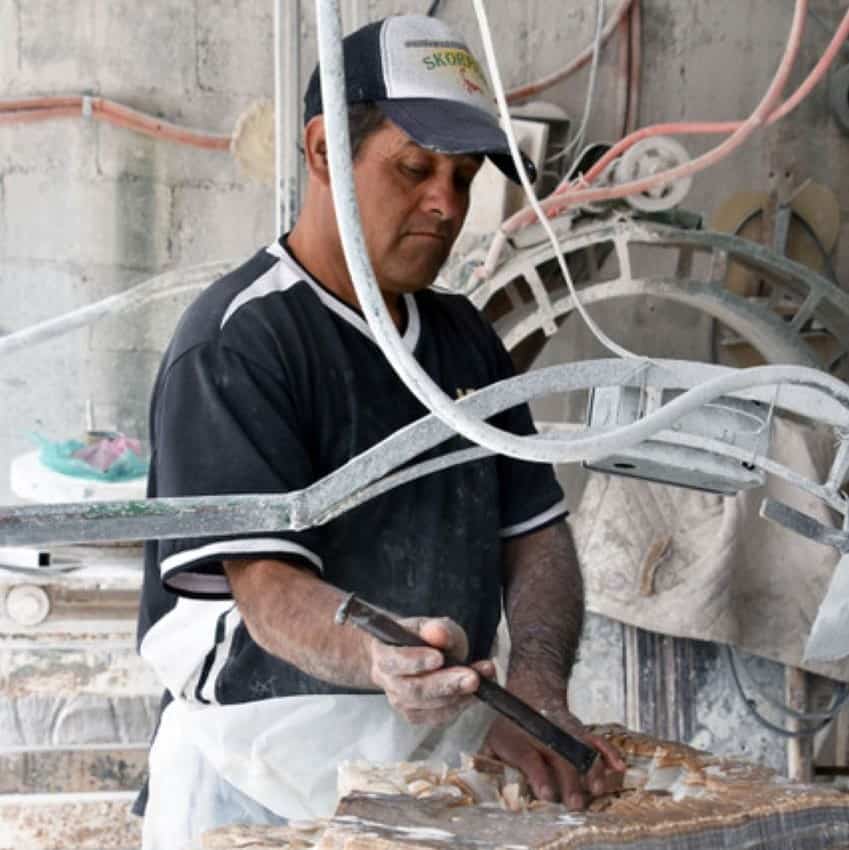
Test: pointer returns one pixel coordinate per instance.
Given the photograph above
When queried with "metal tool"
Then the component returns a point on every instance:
(387, 630)
(829, 638)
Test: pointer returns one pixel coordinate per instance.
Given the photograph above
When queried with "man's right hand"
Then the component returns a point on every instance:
(416, 682)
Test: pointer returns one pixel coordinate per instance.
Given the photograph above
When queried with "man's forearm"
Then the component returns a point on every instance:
(544, 602)
(289, 613)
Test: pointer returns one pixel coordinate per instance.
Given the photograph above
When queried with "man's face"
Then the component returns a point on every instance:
(412, 204)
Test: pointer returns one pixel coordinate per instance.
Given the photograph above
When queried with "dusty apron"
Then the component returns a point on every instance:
(269, 761)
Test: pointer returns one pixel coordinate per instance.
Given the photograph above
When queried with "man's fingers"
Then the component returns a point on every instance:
(445, 634)
(570, 784)
(538, 772)
(512, 746)
(433, 688)
(485, 669)
(612, 757)
(406, 661)
(607, 773)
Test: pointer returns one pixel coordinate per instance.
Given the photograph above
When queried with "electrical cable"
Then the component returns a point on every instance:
(495, 76)
(688, 128)
(635, 64)
(567, 194)
(818, 18)
(839, 699)
(417, 380)
(772, 95)
(824, 719)
(434, 8)
(578, 138)
(528, 90)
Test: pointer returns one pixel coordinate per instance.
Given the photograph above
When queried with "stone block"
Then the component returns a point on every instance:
(65, 146)
(30, 718)
(46, 386)
(96, 821)
(223, 31)
(9, 42)
(56, 46)
(71, 673)
(121, 386)
(11, 733)
(118, 222)
(39, 290)
(596, 690)
(38, 720)
(210, 224)
(84, 720)
(125, 154)
(73, 770)
(2, 226)
(137, 717)
(144, 47)
(146, 328)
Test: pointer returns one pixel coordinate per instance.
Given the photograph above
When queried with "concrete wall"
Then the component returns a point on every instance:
(86, 209)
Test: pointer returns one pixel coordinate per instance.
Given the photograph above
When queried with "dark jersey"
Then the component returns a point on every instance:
(270, 383)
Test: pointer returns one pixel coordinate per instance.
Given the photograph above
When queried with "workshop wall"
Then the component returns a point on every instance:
(86, 209)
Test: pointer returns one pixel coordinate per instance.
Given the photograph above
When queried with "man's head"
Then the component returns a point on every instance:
(420, 75)
(421, 120)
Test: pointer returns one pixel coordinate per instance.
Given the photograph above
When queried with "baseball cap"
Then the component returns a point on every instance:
(422, 76)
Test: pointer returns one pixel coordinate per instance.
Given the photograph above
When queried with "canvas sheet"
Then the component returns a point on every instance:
(706, 567)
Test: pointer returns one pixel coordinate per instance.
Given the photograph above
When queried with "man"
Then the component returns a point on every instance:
(273, 381)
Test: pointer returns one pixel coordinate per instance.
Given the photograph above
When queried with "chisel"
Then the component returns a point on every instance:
(389, 631)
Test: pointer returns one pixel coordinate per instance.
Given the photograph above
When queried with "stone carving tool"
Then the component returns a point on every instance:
(387, 630)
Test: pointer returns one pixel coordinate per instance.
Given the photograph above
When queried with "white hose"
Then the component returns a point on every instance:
(374, 308)
(580, 135)
(498, 87)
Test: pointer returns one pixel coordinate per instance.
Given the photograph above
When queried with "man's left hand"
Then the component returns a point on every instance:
(551, 777)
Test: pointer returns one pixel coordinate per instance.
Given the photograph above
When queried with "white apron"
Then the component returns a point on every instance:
(268, 761)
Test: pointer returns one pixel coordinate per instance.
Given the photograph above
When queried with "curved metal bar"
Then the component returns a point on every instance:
(169, 283)
(830, 302)
(816, 396)
(415, 378)
(766, 331)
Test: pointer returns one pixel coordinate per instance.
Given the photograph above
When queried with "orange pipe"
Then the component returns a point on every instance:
(32, 115)
(723, 127)
(123, 116)
(27, 110)
(567, 194)
(39, 103)
(521, 93)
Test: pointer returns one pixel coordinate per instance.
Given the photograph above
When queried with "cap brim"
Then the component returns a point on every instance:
(451, 127)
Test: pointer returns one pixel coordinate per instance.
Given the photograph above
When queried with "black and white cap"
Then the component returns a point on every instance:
(423, 77)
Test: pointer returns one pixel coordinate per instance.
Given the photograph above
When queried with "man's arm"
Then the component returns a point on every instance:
(289, 612)
(544, 603)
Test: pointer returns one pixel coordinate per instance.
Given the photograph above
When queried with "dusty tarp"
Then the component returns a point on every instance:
(700, 566)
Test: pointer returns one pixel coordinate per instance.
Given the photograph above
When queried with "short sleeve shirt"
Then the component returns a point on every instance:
(270, 383)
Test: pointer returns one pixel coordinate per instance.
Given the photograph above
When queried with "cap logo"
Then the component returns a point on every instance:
(456, 56)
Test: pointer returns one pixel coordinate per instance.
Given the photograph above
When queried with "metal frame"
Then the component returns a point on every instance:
(804, 391)
(817, 297)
